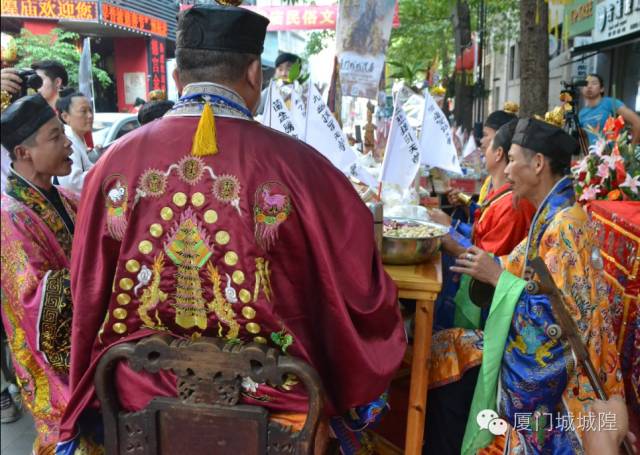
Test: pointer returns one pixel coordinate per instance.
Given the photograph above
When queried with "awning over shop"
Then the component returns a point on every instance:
(100, 29)
(604, 45)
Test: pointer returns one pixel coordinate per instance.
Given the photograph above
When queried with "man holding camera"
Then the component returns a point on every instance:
(598, 108)
(37, 230)
(52, 74)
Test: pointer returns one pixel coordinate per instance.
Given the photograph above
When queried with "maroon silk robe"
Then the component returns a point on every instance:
(264, 241)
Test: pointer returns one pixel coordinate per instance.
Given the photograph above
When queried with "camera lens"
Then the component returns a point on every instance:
(34, 81)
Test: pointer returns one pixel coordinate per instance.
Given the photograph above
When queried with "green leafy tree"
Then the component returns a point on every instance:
(437, 31)
(412, 74)
(426, 29)
(317, 41)
(425, 33)
(59, 45)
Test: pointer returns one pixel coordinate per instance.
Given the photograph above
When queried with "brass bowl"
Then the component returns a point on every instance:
(406, 250)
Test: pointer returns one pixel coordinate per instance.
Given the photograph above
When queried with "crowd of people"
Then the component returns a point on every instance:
(230, 229)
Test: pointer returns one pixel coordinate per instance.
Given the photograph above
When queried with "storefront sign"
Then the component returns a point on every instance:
(616, 18)
(579, 17)
(135, 21)
(157, 65)
(83, 10)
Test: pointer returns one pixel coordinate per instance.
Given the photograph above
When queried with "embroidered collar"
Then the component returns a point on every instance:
(493, 196)
(224, 101)
(560, 197)
(20, 189)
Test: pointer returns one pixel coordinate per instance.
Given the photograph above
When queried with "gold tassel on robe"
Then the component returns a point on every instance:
(204, 141)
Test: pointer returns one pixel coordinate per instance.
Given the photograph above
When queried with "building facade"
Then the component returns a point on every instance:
(586, 36)
(134, 38)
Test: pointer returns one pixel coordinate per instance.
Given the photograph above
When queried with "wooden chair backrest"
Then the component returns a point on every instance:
(205, 417)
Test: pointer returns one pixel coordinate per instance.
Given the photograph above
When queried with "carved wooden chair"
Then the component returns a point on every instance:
(205, 417)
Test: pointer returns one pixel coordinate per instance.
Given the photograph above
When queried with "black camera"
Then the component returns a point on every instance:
(30, 79)
(569, 94)
(572, 87)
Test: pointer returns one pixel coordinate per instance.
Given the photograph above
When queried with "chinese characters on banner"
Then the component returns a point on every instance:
(436, 140)
(298, 113)
(130, 19)
(320, 129)
(157, 65)
(278, 116)
(325, 135)
(402, 157)
(361, 40)
(85, 10)
(298, 17)
(304, 17)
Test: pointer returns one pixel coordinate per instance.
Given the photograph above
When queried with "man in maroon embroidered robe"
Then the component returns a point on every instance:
(36, 225)
(247, 235)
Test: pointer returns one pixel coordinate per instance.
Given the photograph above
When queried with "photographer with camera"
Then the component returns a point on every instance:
(598, 108)
(48, 77)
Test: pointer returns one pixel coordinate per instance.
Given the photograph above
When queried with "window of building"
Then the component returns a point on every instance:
(514, 66)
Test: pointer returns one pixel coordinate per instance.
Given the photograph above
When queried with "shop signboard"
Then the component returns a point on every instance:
(157, 65)
(580, 17)
(79, 10)
(616, 18)
(133, 20)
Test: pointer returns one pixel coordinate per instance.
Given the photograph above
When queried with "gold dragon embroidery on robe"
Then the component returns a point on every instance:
(152, 295)
(220, 306)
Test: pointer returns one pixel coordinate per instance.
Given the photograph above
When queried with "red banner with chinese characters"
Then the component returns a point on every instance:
(157, 65)
(132, 20)
(83, 10)
(301, 17)
(304, 17)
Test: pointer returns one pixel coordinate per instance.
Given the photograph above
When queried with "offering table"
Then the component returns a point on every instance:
(421, 282)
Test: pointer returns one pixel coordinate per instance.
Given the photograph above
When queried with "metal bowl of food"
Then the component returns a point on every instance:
(409, 241)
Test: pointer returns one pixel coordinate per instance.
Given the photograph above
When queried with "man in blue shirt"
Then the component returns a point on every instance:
(598, 108)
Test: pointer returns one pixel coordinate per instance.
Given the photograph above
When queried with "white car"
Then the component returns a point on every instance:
(109, 126)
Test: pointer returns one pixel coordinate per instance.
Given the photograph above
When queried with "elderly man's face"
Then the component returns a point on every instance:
(521, 171)
(282, 70)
